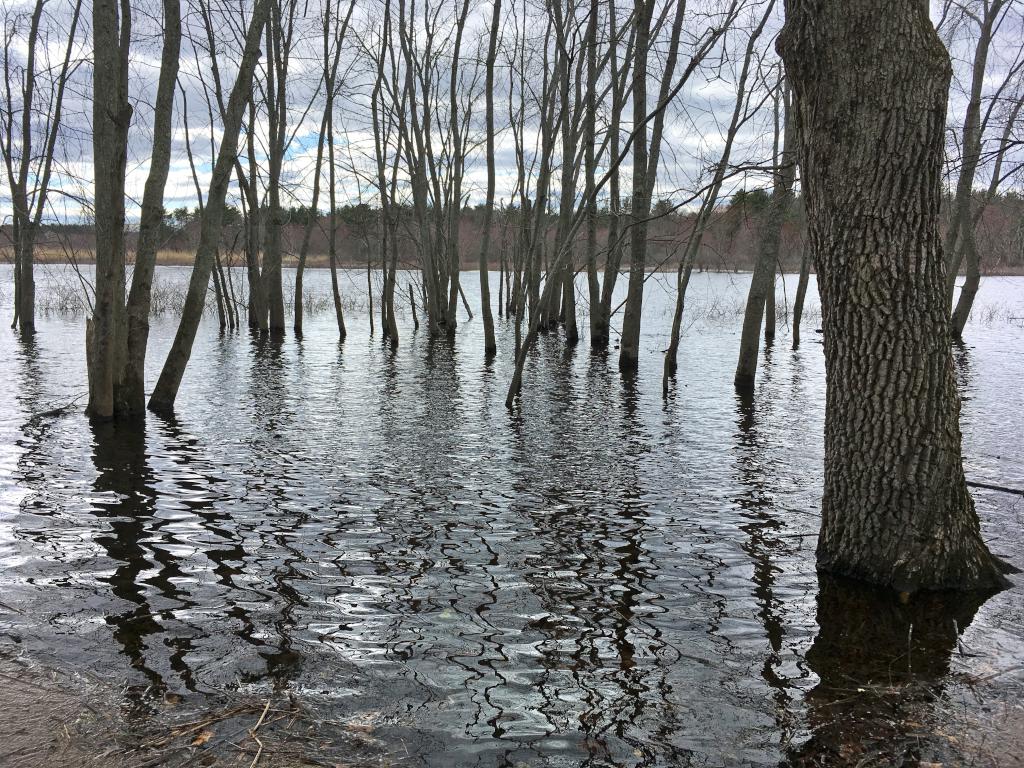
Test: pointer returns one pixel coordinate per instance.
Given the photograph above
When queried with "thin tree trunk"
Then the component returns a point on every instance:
(695, 240)
(600, 317)
(412, 307)
(130, 398)
(369, 285)
(307, 230)
(278, 49)
(629, 349)
(218, 295)
(490, 346)
(24, 161)
(801, 294)
(332, 235)
(896, 510)
(166, 390)
(972, 281)
(761, 297)
(971, 141)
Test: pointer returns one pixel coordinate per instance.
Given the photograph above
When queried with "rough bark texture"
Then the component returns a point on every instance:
(896, 510)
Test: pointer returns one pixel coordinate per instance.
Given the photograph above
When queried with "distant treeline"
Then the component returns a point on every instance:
(730, 241)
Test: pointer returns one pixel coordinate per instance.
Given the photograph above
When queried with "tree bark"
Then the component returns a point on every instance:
(760, 298)
(961, 224)
(166, 390)
(490, 346)
(131, 395)
(111, 118)
(896, 510)
(801, 294)
(278, 52)
(629, 350)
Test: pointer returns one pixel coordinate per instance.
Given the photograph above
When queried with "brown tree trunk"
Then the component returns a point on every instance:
(111, 119)
(895, 510)
(801, 294)
(166, 390)
(131, 387)
(971, 141)
(761, 297)
(490, 346)
(629, 351)
(279, 51)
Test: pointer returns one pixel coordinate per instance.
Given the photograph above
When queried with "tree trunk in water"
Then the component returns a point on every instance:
(332, 235)
(391, 276)
(218, 295)
(629, 350)
(895, 509)
(25, 284)
(308, 228)
(277, 108)
(600, 314)
(412, 308)
(166, 390)
(490, 346)
(971, 141)
(769, 310)
(761, 298)
(111, 119)
(801, 294)
(672, 353)
(369, 285)
(970, 287)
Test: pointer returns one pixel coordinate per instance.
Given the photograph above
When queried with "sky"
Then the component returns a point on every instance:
(695, 126)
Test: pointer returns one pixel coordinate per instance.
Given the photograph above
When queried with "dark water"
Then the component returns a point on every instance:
(604, 577)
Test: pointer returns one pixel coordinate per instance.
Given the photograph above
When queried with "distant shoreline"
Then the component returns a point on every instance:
(320, 261)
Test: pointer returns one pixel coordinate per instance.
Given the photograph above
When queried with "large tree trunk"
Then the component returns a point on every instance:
(166, 390)
(131, 395)
(111, 32)
(896, 510)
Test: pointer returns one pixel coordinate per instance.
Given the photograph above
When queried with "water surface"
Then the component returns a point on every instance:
(602, 577)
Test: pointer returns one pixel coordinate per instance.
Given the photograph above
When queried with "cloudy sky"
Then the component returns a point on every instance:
(694, 130)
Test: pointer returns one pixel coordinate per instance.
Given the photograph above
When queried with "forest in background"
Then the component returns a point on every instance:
(730, 239)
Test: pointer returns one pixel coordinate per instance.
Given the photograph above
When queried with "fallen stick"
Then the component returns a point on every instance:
(252, 732)
(1000, 488)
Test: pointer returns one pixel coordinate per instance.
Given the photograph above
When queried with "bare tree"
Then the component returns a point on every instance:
(30, 122)
(334, 31)
(961, 246)
(131, 396)
(490, 346)
(166, 390)
(762, 282)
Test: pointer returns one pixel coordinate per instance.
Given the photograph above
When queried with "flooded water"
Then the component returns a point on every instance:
(603, 577)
